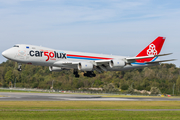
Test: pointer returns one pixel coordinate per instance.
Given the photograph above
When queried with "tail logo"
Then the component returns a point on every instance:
(152, 50)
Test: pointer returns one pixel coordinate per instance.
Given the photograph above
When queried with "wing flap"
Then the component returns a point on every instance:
(65, 63)
(102, 61)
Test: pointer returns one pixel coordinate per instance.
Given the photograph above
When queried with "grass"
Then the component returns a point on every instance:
(91, 115)
(84, 110)
(24, 91)
(13, 105)
(23, 110)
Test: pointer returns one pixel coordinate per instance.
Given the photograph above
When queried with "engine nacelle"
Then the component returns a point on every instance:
(85, 66)
(117, 63)
(52, 68)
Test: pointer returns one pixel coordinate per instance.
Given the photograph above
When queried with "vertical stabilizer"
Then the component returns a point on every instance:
(153, 48)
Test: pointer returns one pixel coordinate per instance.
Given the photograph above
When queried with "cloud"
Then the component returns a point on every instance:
(113, 27)
(13, 2)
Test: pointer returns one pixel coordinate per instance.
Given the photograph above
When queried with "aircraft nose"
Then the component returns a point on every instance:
(6, 54)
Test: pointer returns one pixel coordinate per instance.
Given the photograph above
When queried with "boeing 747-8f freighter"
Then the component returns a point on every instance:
(58, 60)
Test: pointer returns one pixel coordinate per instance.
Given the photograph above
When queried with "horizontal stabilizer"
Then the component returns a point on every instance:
(163, 54)
(160, 61)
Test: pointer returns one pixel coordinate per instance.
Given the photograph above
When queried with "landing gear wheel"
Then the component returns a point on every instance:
(75, 72)
(77, 76)
(19, 67)
(90, 74)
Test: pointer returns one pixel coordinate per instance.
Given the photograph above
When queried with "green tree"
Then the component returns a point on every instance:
(178, 83)
(130, 90)
(124, 87)
(155, 91)
(162, 76)
(8, 76)
(110, 88)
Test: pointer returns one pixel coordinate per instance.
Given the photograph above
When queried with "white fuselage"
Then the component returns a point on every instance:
(37, 55)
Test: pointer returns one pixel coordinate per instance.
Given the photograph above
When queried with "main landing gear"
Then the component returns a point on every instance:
(19, 67)
(87, 74)
(75, 72)
(90, 74)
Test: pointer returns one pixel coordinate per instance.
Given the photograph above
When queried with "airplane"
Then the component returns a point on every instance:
(58, 60)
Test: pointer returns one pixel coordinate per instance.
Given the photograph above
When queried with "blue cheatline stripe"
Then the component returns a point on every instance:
(154, 59)
(139, 63)
(144, 63)
(83, 58)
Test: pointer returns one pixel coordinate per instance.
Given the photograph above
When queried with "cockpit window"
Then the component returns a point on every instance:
(16, 46)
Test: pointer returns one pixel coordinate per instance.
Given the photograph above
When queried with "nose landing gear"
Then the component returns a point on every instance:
(19, 67)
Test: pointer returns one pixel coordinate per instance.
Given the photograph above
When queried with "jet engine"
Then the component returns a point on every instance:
(117, 63)
(85, 66)
(52, 68)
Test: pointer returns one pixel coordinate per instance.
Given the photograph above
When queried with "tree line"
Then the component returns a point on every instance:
(163, 77)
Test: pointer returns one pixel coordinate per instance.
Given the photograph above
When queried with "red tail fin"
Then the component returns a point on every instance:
(152, 49)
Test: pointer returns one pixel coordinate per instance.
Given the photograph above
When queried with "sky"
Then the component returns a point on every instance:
(117, 27)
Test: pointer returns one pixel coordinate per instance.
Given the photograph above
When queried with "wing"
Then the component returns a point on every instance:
(102, 65)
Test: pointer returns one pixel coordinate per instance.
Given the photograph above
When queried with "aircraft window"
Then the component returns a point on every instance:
(16, 46)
